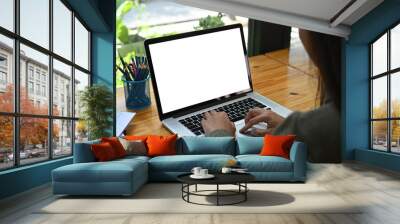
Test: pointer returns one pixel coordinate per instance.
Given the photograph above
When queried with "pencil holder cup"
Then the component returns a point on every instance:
(137, 94)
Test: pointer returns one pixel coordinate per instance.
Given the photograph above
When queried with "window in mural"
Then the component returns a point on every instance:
(385, 92)
(48, 77)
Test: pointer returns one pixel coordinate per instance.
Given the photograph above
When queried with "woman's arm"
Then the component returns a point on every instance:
(217, 124)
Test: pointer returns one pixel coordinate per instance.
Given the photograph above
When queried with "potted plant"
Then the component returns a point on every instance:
(210, 22)
(96, 102)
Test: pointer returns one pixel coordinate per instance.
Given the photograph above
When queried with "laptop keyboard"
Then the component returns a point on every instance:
(236, 111)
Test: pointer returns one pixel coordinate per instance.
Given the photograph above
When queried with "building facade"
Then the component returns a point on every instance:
(34, 80)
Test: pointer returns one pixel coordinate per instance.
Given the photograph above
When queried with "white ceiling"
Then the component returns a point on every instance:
(315, 15)
(321, 9)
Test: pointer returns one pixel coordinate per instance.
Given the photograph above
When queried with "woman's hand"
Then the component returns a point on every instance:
(217, 121)
(258, 115)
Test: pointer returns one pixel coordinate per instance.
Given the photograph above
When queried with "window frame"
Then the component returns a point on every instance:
(5, 58)
(388, 74)
(3, 74)
(16, 114)
(3, 71)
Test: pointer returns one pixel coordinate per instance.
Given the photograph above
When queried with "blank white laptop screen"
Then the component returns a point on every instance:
(196, 69)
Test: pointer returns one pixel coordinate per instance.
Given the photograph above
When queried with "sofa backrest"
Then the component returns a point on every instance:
(189, 145)
(83, 152)
(249, 145)
(193, 145)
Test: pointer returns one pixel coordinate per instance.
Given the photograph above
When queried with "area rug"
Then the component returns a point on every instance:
(166, 198)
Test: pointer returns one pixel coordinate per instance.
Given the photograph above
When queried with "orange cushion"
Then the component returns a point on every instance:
(116, 145)
(277, 145)
(103, 152)
(161, 145)
(136, 138)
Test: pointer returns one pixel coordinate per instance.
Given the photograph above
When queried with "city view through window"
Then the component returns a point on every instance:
(39, 114)
(385, 92)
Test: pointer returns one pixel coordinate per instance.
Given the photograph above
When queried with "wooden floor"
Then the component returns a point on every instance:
(285, 76)
(378, 190)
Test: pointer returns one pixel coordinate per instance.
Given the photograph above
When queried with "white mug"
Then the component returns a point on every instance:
(196, 171)
(226, 170)
(203, 172)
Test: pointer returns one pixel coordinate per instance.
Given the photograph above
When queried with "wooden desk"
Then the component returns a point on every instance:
(287, 76)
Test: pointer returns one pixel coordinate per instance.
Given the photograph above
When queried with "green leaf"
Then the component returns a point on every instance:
(124, 8)
(123, 34)
(137, 48)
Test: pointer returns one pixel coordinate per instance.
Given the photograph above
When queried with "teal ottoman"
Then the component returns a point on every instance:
(118, 177)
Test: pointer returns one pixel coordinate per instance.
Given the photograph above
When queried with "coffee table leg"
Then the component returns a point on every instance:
(188, 189)
(185, 187)
(196, 188)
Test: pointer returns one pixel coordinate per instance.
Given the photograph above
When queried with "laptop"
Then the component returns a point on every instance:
(201, 71)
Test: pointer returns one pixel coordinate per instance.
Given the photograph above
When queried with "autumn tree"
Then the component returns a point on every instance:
(395, 123)
(33, 131)
(380, 127)
(6, 122)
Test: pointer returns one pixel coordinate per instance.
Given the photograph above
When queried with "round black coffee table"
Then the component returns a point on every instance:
(238, 179)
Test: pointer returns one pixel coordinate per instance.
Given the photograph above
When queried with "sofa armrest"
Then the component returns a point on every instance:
(83, 152)
(298, 155)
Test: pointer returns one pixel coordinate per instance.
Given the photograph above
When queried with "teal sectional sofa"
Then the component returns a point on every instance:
(125, 176)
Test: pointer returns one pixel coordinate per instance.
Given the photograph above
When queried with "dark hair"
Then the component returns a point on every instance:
(325, 51)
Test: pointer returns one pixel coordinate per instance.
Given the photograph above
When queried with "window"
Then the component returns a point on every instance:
(44, 91)
(3, 78)
(81, 45)
(34, 22)
(62, 30)
(385, 91)
(30, 72)
(30, 87)
(38, 89)
(81, 81)
(62, 137)
(40, 129)
(3, 72)
(3, 61)
(6, 142)
(6, 89)
(62, 75)
(395, 47)
(33, 149)
(37, 74)
(7, 14)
